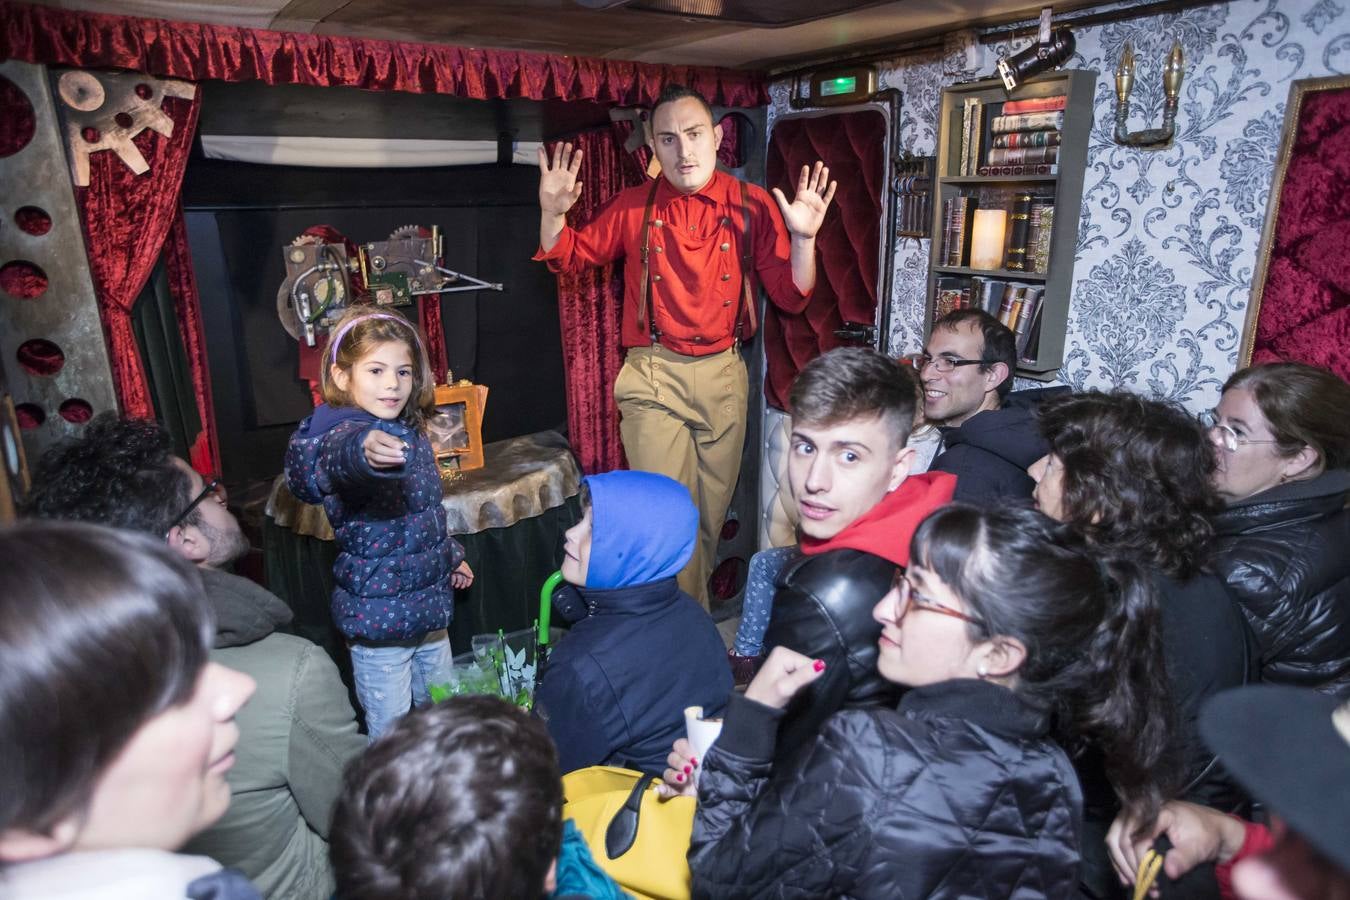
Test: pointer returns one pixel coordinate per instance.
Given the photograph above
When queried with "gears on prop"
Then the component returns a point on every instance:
(319, 281)
(106, 110)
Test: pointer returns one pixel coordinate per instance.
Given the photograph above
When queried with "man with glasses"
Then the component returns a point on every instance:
(299, 731)
(989, 434)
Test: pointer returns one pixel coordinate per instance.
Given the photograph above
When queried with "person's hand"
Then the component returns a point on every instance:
(678, 779)
(1198, 835)
(383, 450)
(783, 674)
(558, 185)
(462, 577)
(804, 215)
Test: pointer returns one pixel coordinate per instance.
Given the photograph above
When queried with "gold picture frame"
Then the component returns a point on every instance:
(1298, 93)
(456, 432)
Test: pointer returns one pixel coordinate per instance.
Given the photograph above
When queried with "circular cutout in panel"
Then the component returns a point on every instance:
(81, 90)
(30, 415)
(23, 279)
(76, 411)
(91, 134)
(144, 91)
(33, 220)
(17, 113)
(124, 120)
(41, 357)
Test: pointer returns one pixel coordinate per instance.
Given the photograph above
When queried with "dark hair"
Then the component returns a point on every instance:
(374, 326)
(458, 799)
(672, 92)
(1000, 344)
(1305, 405)
(850, 383)
(91, 653)
(1136, 476)
(118, 472)
(1090, 625)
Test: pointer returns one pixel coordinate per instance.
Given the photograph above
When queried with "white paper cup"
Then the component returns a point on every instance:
(702, 733)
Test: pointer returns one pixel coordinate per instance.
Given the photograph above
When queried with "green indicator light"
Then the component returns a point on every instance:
(836, 86)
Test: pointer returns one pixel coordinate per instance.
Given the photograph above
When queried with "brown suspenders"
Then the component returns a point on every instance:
(747, 306)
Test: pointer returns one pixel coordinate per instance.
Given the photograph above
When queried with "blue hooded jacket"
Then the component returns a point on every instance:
(392, 574)
(616, 686)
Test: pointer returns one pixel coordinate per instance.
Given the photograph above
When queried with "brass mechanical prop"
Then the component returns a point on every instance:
(318, 285)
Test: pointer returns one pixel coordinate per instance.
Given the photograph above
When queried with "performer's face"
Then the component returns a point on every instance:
(685, 143)
(838, 472)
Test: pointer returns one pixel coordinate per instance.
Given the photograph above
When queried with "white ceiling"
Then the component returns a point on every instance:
(562, 26)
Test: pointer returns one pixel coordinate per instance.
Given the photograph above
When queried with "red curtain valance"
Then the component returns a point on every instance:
(196, 52)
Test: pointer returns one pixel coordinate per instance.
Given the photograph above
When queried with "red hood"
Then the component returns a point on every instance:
(885, 530)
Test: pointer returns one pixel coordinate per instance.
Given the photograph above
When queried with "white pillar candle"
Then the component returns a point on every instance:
(986, 239)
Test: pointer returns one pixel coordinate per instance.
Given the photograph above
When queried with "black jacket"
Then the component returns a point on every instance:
(1285, 554)
(958, 793)
(823, 609)
(989, 452)
(616, 686)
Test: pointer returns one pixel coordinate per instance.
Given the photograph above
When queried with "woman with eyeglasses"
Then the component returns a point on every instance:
(1282, 436)
(1017, 640)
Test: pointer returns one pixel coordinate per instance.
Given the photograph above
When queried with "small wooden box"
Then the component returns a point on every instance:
(456, 432)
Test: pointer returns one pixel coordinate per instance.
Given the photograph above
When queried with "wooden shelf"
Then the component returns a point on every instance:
(1066, 187)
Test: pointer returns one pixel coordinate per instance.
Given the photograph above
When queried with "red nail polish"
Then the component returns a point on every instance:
(688, 769)
(679, 776)
(692, 761)
(819, 665)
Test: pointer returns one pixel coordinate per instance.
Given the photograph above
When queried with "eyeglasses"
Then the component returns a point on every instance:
(1229, 439)
(922, 361)
(910, 596)
(215, 487)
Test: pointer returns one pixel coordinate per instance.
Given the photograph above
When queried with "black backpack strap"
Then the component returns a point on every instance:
(623, 828)
(642, 319)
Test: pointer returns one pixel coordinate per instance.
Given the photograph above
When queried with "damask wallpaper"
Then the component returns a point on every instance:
(1168, 239)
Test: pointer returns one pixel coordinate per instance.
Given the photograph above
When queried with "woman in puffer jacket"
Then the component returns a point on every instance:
(1004, 624)
(1282, 435)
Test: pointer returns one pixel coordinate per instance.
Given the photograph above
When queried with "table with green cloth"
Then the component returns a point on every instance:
(510, 516)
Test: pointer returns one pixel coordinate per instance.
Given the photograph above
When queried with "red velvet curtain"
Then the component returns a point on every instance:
(589, 305)
(197, 51)
(1305, 305)
(205, 451)
(126, 218)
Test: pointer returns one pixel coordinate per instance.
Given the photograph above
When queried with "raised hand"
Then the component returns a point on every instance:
(558, 185)
(783, 674)
(804, 215)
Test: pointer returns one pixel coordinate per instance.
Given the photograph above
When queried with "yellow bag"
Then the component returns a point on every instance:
(618, 811)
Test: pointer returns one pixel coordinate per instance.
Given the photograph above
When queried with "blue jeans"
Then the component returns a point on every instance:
(392, 676)
(758, 603)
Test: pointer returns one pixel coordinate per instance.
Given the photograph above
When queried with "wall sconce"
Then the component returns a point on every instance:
(1173, 72)
(1051, 49)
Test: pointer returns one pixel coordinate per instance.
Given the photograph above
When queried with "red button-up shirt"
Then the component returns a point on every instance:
(694, 260)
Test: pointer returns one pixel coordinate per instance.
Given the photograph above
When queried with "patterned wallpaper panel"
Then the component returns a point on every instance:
(1167, 239)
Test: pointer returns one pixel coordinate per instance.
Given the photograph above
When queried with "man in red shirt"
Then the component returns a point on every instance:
(688, 299)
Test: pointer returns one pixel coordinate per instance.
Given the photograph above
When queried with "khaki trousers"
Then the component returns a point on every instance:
(684, 416)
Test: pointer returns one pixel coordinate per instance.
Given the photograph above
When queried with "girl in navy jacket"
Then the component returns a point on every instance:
(365, 456)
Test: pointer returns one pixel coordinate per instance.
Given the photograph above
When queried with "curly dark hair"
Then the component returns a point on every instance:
(1136, 477)
(118, 472)
(458, 799)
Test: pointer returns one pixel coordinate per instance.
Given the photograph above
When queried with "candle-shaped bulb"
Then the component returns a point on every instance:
(1174, 71)
(1125, 73)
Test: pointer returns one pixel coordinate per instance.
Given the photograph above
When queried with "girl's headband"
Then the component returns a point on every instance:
(335, 342)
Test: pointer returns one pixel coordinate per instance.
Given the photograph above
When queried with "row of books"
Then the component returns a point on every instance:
(1023, 132)
(972, 119)
(1030, 224)
(957, 215)
(1015, 304)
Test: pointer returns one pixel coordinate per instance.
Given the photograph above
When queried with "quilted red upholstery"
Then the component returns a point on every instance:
(852, 144)
(1305, 307)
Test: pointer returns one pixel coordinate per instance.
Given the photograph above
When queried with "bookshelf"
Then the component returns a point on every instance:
(1034, 175)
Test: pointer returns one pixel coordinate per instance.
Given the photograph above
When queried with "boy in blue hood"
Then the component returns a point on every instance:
(641, 650)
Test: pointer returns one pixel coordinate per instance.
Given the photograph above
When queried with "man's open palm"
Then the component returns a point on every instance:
(558, 185)
(804, 215)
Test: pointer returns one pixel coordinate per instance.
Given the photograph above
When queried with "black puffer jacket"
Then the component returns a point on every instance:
(823, 609)
(990, 452)
(958, 793)
(1285, 555)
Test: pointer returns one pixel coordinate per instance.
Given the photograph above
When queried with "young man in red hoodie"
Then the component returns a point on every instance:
(848, 474)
